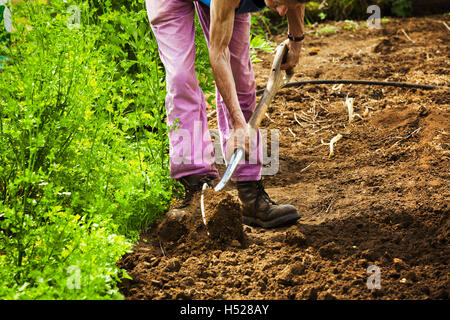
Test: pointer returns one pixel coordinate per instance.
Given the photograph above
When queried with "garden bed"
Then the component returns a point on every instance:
(379, 203)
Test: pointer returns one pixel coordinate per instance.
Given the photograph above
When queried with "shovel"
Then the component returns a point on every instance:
(276, 81)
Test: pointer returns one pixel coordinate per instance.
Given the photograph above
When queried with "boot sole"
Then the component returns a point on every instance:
(272, 223)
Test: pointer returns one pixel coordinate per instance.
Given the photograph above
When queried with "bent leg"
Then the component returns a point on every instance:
(191, 150)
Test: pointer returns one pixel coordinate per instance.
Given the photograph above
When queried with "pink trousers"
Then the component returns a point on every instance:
(191, 149)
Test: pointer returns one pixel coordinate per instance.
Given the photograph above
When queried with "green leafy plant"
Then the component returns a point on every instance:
(351, 25)
(83, 149)
(258, 43)
(315, 11)
(401, 8)
(326, 30)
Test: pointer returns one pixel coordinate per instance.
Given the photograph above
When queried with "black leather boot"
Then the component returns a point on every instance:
(192, 184)
(260, 210)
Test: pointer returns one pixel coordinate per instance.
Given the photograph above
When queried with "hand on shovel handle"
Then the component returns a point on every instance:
(292, 56)
(239, 139)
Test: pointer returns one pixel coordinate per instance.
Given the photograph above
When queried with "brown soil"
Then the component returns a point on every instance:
(221, 225)
(382, 200)
(223, 217)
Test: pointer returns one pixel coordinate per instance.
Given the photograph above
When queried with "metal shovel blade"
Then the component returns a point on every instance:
(234, 161)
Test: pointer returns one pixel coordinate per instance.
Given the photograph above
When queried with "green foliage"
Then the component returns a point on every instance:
(83, 149)
(260, 23)
(5, 36)
(327, 29)
(401, 8)
(355, 9)
(258, 43)
(203, 66)
(315, 11)
(351, 25)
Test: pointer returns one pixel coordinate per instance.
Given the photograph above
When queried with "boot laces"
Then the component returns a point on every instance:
(263, 194)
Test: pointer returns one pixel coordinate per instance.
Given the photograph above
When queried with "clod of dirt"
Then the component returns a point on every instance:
(223, 217)
(294, 237)
(287, 274)
(326, 295)
(329, 250)
(173, 227)
(388, 45)
(399, 264)
(173, 265)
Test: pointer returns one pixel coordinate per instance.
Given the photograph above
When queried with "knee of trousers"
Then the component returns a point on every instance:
(181, 81)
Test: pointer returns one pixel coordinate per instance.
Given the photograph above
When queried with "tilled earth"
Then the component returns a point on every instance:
(379, 204)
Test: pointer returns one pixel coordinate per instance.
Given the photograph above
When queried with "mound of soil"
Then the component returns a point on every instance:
(380, 203)
(220, 225)
(223, 216)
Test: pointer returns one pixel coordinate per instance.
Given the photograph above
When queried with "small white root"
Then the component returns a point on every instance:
(337, 87)
(162, 248)
(331, 144)
(326, 127)
(292, 132)
(296, 120)
(351, 114)
(202, 205)
(366, 112)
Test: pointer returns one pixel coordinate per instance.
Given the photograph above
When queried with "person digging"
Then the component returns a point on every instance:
(226, 25)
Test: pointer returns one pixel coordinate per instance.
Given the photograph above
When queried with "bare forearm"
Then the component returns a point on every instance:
(296, 19)
(222, 24)
(220, 63)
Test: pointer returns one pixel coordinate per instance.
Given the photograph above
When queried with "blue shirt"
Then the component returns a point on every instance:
(245, 6)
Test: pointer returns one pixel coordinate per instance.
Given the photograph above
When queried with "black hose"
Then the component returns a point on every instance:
(364, 82)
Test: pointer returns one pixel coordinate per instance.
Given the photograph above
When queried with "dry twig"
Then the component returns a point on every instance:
(406, 35)
(162, 248)
(202, 205)
(329, 206)
(408, 136)
(305, 168)
(268, 117)
(209, 115)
